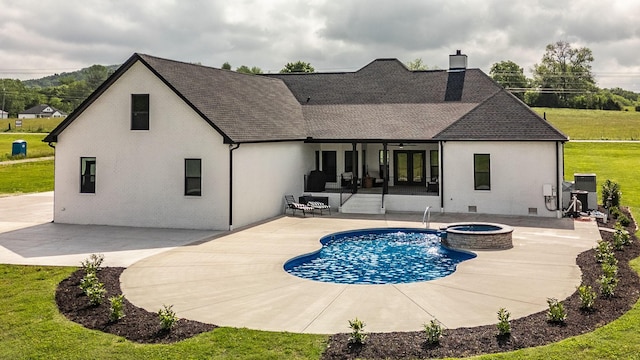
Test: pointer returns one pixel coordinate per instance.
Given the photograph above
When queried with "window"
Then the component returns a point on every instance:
(482, 171)
(139, 111)
(88, 175)
(434, 169)
(348, 161)
(329, 165)
(192, 177)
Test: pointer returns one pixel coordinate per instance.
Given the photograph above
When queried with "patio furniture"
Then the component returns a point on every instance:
(290, 203)
(318, 205)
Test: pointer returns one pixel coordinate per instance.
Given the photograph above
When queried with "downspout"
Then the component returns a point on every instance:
(558, 184)
(441, 176)
(231, 149)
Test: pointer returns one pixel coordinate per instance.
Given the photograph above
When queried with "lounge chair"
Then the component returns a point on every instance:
(291, 204)
(317, 205)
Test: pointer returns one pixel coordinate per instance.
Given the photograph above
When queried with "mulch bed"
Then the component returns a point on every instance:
(144, 327)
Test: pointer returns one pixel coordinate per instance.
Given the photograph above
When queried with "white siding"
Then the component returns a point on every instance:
(518, 172)
(140, 174)
(263, 174)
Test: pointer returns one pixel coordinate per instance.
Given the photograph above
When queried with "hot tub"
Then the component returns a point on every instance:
(478, 236)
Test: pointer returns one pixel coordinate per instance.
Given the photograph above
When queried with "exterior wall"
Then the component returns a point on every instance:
(518, 172)
(140, 174)
(411, 203)
(263, 174)
(26, 116)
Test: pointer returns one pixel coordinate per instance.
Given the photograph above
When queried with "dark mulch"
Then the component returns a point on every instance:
(138, 324)
(142, 326)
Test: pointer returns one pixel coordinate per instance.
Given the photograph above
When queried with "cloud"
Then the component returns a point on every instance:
(333, 36)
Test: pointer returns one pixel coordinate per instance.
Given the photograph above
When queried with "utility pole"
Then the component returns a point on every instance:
(3, 110)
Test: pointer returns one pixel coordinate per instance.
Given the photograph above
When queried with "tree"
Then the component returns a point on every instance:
(246, 70)
(511, 76)
(298, 66)
(95, 75)
(417, 64)
(565, 71)
(226, 66)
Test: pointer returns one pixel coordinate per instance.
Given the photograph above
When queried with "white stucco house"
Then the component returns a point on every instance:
(164, 143)
(41, 111)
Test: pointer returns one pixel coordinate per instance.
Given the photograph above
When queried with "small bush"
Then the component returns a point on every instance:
(557, 313)
(434, 331)
(608, 285)
(357, 335)
(615, 212)
(116, 311)
(88, 281)
(587, 297)
(96, 293)
(609, 269)
(611, 193)
(167, 317)
(604, 251)
(624, 220)
(621, 237)
(504, 326)
(92, 264)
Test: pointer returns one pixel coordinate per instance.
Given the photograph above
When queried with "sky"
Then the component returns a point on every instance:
(43, 37)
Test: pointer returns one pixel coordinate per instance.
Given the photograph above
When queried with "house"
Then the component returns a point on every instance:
(41, 111)
(4, 114)
(164, 143)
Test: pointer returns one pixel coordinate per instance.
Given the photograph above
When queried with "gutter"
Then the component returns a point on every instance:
(231, 149)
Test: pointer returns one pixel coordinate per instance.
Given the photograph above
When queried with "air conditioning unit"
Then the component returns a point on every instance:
(587, 182)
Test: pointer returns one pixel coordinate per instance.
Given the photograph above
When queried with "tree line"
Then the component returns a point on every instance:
(563, 78)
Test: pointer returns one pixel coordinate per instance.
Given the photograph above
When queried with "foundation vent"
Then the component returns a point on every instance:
(533, 211)
(473, 209)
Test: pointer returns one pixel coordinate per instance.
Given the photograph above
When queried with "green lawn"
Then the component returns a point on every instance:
(594, 124)
(26, 177)
(32, 328)
(35, 146)
(44, 125)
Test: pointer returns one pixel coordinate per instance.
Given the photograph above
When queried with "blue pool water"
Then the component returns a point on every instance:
(378, 256)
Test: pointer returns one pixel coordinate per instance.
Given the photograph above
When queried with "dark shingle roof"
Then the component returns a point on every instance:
(382, 101)
(40, 109)
(501, 117)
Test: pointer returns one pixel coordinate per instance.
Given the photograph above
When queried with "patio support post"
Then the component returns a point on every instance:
(354, 170)
(385, 168)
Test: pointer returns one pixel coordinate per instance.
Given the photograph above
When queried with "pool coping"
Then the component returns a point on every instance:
(237, 280)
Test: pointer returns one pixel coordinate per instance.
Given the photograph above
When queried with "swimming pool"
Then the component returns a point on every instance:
(378, 256)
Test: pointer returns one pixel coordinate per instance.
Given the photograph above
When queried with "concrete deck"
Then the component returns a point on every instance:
(237, 279)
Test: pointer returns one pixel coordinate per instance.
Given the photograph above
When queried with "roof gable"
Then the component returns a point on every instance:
(241, 107)
(501, 117)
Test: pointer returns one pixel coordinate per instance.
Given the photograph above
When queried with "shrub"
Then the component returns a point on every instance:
(95, 293)
(504, 326)
(608, 285)
(624, 220)
(611, 193)
(610, 269)
(434, 331)
(615, 212)
(167, 317)
(621, 237)
(88, 281)
(358, 335)
(587, 297)
(556, 313)
(604, 251)
(92, 264)
(116, 311)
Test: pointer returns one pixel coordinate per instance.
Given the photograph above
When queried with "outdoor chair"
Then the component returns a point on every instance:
(317, 205)
(291, 204)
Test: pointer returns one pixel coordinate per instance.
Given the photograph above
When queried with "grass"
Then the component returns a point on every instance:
(43, 125)
(594, 124)
(26, 177)
(32, 328)
(35, 147)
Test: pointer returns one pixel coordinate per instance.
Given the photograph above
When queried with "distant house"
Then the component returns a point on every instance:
(164, 143)
(4, 114)
(41, 111)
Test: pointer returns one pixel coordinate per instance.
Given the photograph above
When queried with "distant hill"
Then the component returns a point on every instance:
(54, 80)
